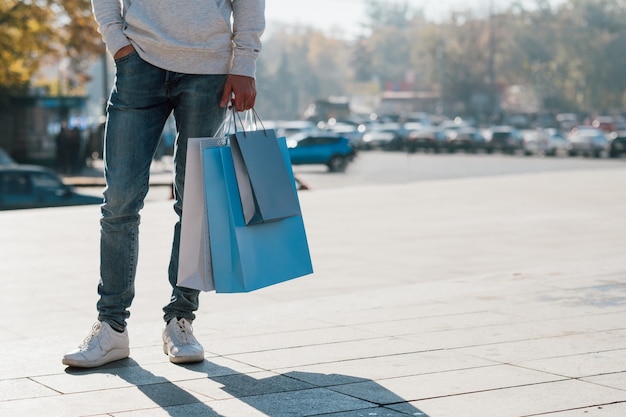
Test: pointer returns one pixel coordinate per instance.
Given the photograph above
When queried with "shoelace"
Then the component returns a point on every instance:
(183, 332)
(94, 331)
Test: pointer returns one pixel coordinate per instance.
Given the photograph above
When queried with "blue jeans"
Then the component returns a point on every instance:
(142, 99)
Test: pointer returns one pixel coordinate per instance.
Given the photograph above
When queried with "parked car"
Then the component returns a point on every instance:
(5, 158)
(549, 142)
(618, 145)
(567, 121)
(466, 139)
(354, 133)
(288, 128)
(505, 139)
(429, 139)
(557, 143)
(326, 148)
(30, 186)
(383, 139)
(607, 124)
(588, 142)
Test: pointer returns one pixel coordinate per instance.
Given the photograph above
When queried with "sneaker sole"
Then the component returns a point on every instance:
(112, 356)
(182, 359)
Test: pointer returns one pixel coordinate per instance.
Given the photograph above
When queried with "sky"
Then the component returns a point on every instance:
(346, 15)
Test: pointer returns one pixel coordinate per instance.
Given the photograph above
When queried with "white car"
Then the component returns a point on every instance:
(549, 142)
(588, 142)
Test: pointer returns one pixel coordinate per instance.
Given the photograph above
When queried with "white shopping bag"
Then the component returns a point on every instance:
(194, 258)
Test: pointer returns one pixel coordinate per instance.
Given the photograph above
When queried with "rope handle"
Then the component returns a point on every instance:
(251, 118)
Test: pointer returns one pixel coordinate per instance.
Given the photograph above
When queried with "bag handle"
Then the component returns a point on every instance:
(251, 118)
(225, 127)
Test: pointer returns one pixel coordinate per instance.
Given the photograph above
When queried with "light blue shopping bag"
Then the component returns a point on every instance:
(246, 258)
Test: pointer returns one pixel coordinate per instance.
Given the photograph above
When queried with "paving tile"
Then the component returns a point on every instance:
(522, 401)
(331, 352)
(613, 380)
(217, 366)
(590, 322)
(607, 410)
(32, 357)
(286, 340)
(602, 296)
(441, 384)
(98, 402)
(580, 366)
(548, 347)
(381, 311)
(533, 306)
(541, 302)
(392, 366)
(487, 335)
(288, 404)
(75, 381)
(16, 389)
(376, 412)
(128, 373)
(218, 409)
(620, 332)
(430, 324)
(243, 385)
(305, 403)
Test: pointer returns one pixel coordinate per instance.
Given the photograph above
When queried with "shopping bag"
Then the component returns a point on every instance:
(263, 180)
(246, 258)
(194, 258)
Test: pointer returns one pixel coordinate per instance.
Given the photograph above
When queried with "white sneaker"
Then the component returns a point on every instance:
(180, 344)
(102, 346)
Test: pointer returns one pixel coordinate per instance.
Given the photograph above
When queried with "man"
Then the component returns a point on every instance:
(184, 57)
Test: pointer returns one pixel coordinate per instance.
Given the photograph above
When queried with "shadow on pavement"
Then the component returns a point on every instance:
(289, 394)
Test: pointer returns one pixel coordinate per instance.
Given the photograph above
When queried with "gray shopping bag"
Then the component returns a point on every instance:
(194, 260)
(266, 188)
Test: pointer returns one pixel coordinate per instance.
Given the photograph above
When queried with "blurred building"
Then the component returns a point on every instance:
(30, 125)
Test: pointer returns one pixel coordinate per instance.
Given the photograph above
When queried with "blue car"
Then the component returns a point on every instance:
(325, 148)
(30, 186)
(5, 158)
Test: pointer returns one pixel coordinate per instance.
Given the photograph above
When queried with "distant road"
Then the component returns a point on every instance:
(376, 167)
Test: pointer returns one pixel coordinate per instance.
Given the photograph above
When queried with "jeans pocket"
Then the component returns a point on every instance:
(126, 58)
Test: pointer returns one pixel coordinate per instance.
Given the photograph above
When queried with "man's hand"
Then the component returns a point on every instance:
(125, 51)
(244, 89)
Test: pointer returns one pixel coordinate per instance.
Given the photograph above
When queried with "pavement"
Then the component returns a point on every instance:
(493, 297)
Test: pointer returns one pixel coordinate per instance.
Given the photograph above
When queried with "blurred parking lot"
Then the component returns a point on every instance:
(357, 151)
(380, 167)
(393, 167)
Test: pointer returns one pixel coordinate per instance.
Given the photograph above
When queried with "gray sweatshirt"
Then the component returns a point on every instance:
(186, 36)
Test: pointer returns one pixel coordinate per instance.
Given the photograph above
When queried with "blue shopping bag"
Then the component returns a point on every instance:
(263, 177)
(248, 257)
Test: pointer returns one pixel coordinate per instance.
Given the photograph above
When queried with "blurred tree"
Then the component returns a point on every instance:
(297, 66)
(576, 52)
(597, 32)
(571, 56)
(33, 30)
(361, 60)
(79, 32)
(465, 48)
(25, 36)
(385, 53)
(381, 14)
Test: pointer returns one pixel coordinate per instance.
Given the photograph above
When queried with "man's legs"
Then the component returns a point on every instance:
(198, 114)
(138, 109)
